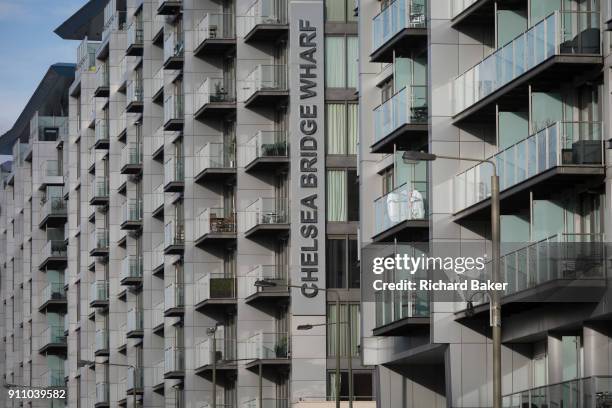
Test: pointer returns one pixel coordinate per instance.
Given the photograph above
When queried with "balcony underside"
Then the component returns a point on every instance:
(134, 107)
(99, 200)
(102, 144)
(267, 32)
(174, 311)
(53, 263)
(174, 374)
(54, 305)
(403, 327)
(274, 364)
(158, 96)
(267, 230)
(266, 296)
(131, 281)
(135, 334)
(175, 62)
(134, 50)
(267, 98)
(99, 303)
(99, 252)
(556, 291)
(101, 352)
(174, 249)
(608, 24)
(102, 92)
(406, 40)
(215, 110)
(216, 238)
(267, 164)
(158, 154)
(405, 137)
(174, 125)
(216, 304)
(547, 75)
(53, 220)
(221, 366)
(169, 7)
(405, 231)
(131, 168)
(131, 225)
(56, 349)
(426, 354)
(158, 212)
(550, 181)
(215, 46)
(101, 404)
(481, 12)
(174, 186)
(217, 174)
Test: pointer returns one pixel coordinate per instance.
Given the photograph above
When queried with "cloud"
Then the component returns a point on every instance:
(11, 10)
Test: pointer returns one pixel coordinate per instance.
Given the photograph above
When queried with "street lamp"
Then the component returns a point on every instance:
(83, 363)
(494, 304)
(263, 283)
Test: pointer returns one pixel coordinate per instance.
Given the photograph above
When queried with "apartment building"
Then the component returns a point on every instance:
(202, 204)
(525, 85)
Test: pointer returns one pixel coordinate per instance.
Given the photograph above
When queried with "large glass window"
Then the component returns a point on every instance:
(341, 67)
(341, 128)
(342, 195)
(340, 11)
(362, 385)
(342, 265)
(348, 313)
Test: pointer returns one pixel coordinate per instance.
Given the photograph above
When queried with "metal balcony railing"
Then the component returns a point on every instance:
(408, 106)
(216, 26)
(407, 202)
(397, 16)
(174, 46)
(269, 273)
(215, 220)
(264, 78)
(214, 90)
(266, 211)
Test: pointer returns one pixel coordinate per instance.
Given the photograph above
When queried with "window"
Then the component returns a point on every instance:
(342, 265)
(341, 128)
(339, 10)
(342, 195)
(341, 68)
(362, 385)
(332, 316)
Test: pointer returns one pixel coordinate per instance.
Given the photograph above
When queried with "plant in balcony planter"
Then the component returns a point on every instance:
(282, 348)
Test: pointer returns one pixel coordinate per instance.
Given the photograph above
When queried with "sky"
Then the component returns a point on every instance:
(28, 46)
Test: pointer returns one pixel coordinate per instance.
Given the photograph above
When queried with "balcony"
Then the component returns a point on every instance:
(158, 86)
(158, 377)
(562, 268)
(267, 349)
(174, 238)
(174, 174)
(158, 317)
(215, 98)
(276, 275)
(263, 21)
(551, 51)
(265, 86)
(216, 34)
(134, 323)
(174, 50)
(53, 341)
(51, 173)
(99, 240)
(101, 342)
(99, 191)
(402, 25)
(134, 97)
(401, 213)
(222, 352)
(400, 123)
(102, 395)
(472, 11)
(267, 150)
(98, 294)
(284, 403)
(135, 38)
(132, 215)
(215, 225)
(135, 380)
(215, 289)
(560, 155)
(215, 161)
(174, 362)
(157, 202)
(54, 213)
(102, 82)
(53, 298)
(174, 299)
(169, 7)
(131, 158)
(131, 270)
(266, 216)
(54, 255)
(174, 116)
(102, 134)
(54, 378)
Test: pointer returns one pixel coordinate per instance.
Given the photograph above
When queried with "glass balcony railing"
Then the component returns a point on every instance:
(52, 168)
(586, 392)
(265, 346)
(40, 123)
(267, 403)
(135, 34)
(54, 378)
(262, 12)
(215, 220)
(216, 27)
(397, 16)
(54, 206)
(54, 249)
(214, 90)
(158, 81)
(158, 314)
(98, 291)
(131, 154)
(215, 156)
(102, 130)
(174, 234)
(99, 188)
(174, 170)
(158, 140)
(278, 274)
(561, 33)
(559, 144)
(102, 393)
(173, 108)
(134, 92)
(135, 378)
(53, 335)
(131, 267)
(134, 320)
(174, 296)
(158, 372)
(264, 78)
(99, 239)
(54, 291)
(459, 6)
(132, 210)
(266, 144)
(102, 76)
(174, 359)
(158, 197)
(86, 55)
(101, 340)
(174, 46)
(266, 211)
(407, 202)
(216, 286)
(408, 106)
